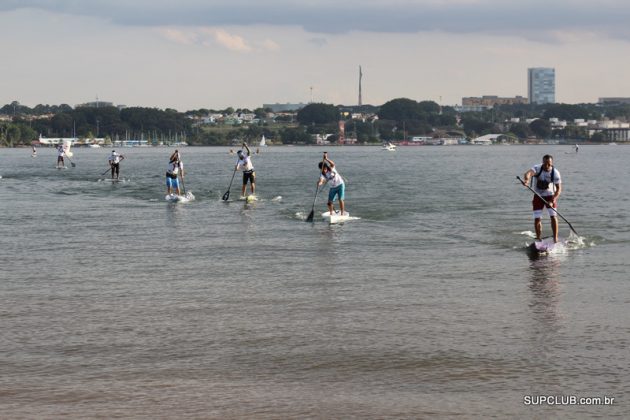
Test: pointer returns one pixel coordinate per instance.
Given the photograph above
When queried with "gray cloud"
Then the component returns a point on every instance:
(320, 42)
(534, 19)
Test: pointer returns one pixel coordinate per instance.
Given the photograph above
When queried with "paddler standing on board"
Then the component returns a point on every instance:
(114, 163)
(245, 163)
(174, 170)
(60, 154)
(337, 186)
(547, 184)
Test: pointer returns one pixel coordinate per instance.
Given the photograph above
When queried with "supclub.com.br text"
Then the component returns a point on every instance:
(566, 400)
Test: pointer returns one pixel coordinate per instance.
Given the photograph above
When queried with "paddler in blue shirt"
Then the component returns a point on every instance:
(335, 181)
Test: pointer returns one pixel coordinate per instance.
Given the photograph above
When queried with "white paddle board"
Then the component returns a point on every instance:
(547, 246)
(249, 199)
(337, 217)
(174, 198)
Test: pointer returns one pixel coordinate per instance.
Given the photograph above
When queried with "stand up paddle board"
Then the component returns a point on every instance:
(337, 217)
(547, 246)
(249, 199)
(174, 198)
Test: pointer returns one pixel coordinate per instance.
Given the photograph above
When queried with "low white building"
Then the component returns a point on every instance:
(54, 141)
(486, 140)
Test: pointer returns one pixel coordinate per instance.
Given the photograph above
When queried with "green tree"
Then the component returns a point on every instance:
(598, 137)
(521, 130)
(541, 128)
(295, 135)
(62, 124)
(618, 111)
(13, 135)
(253, 133)
(429, 107)
(474, 126)
(362, 129)
(566, 112)
(318, 113)
(401, 109)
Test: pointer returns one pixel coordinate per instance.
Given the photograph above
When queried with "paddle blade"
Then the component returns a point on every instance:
(226, 195)
(310, 216)
(73, 164)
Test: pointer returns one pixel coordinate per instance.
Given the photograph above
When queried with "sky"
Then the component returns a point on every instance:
(191, 54)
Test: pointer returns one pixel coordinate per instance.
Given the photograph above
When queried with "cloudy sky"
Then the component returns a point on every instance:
(190, 54)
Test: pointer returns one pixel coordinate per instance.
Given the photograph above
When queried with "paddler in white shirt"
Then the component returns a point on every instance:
(114, 163)
(245, 163)
(174, 170)
(548, 185)
(60, 154)
(335, 181)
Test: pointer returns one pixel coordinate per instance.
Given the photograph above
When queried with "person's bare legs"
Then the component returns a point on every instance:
(554, 227)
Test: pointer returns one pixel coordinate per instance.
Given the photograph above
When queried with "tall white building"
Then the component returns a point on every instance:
(541, 85)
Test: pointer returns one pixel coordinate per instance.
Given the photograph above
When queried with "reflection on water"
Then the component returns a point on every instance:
(546, 290)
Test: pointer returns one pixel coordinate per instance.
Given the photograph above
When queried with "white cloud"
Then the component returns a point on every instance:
(230, 41)
(179, 37)
(227, 40)
(208, 37)
(269, 45)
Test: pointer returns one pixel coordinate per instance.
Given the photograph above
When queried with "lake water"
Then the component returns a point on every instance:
(115, 303)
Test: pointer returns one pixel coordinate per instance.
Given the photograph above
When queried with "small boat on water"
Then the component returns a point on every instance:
(389, 147)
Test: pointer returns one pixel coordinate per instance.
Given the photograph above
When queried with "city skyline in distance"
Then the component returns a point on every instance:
(192, 55)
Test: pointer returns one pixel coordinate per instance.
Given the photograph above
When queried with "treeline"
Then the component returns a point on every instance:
(396, 119)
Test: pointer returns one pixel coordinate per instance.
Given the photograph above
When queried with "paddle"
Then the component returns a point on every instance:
(227, 193)
(312, 213)
(110, 168)
(183, 186)
(547, 204)
(71, 162)
(309, 218)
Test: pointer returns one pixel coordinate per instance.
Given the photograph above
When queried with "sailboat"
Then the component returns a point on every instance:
(389, 147)
(263, 142)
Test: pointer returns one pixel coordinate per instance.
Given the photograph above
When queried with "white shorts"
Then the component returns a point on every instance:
(550, 211)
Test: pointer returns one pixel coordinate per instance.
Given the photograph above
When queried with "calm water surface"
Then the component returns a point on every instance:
(115, 303)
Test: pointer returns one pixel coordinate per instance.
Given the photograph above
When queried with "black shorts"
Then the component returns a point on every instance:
(251, 176)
